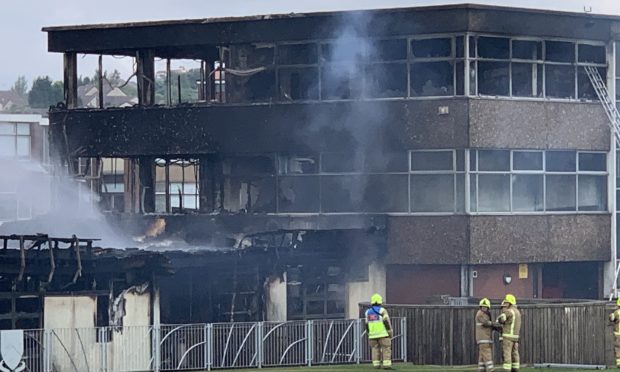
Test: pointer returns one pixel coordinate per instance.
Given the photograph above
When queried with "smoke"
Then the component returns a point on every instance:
(57, 205)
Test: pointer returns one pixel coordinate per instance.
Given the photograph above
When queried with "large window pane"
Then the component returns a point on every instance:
(527, 193)
(432, 79)
(7, 128)
(560, 192)
(432, 160)
(340, 81)
(23, 129)
(560, 161)
(592, 193)
(432, 193)
(560, 81)
(493, 79)
(386, 80)
(431, 48)
(23, 146)
(592, 161)
(493, 160)
(493, 47)
(298, 194)
(560, 51)
(298, 83)
(527, 160)
(493, 193)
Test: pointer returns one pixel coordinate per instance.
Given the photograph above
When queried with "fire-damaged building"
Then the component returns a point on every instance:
(453, 150)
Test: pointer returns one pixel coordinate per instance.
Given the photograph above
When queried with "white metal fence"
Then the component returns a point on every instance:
(204, 346)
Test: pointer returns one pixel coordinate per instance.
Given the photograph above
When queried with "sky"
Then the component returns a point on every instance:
(24, 46)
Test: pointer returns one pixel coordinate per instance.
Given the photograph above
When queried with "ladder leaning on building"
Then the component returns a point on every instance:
(614, 122)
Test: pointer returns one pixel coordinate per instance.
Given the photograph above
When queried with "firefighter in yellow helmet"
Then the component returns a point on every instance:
(510, 319)
(379, 329)
(615, 319)
(484, 335)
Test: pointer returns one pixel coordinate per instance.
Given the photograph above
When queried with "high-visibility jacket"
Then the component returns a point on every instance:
(376, 317)
(615, 318)
(484, 327)
(510, 319)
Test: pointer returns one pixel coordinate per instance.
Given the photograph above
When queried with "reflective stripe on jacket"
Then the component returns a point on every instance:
(375, 318)
(511, 323)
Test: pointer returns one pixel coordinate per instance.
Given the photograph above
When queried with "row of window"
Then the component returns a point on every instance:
(14, 140)
(420, 67)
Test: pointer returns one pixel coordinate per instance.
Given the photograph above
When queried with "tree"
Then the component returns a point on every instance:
(20, 86)
(45, 92)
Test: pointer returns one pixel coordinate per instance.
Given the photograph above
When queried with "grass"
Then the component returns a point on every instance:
(400, 367)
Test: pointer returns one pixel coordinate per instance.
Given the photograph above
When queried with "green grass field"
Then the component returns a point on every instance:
(399, 367)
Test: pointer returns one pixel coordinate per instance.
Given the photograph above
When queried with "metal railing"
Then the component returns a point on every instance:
(204, 346)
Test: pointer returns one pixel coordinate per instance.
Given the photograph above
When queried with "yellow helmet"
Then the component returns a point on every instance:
(485, 303)
(618, 302)
(510, 299)
(376, 299)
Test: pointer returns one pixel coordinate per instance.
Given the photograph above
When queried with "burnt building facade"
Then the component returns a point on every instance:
(452, 150)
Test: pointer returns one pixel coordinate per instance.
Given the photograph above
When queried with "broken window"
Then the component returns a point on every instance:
(112, 184)
(298, 83)
(341, 81)
(176, 185)
(298, 194)
(315, 291)
(251, 75)
(432, 79)
(560, 81)
(249, 184)
(349, 50)
(592, 53)
(297, 54)
(343, 193)
(584, 87)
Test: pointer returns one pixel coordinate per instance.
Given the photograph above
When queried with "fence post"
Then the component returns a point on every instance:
(103, 360)
(403, 339)
(156, 347)
(47, 350)
(309, 342)
(358, 340)
(209, 346)
(259, 345)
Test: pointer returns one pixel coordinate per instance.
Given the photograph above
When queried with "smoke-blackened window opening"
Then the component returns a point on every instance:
(493, 47)
(560, 81)
(342, 81)
(102, 319)
(315, 291)
(112, 190)
(560, 51)
(298, 164)
(527, 79)
(434, 70)
(493, 78)
(387, 50)
(432, 48)
(432, 79)
(298, 83)
(384, 80)
(297, 54)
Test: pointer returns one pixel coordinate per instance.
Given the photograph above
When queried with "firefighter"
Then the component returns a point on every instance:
(484, 335)
(510, 319)
(615, 319)
(379, 329)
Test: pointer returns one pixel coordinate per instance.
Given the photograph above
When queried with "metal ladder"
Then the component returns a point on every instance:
(614, 123)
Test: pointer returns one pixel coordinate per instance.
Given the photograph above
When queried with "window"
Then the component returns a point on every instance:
(176, 185)
(434, 70)
(537, 181)
(113, 184)
(437, 181)
(14, 140)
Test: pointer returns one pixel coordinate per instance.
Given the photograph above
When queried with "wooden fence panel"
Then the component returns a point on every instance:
(572, 333)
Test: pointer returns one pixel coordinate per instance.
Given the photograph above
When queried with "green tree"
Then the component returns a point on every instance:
(20, 86)
(45, 92)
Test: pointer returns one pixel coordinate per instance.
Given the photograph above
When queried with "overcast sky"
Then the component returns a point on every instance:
(24, 46)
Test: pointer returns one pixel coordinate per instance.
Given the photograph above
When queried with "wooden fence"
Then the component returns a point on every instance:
(572, 333)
